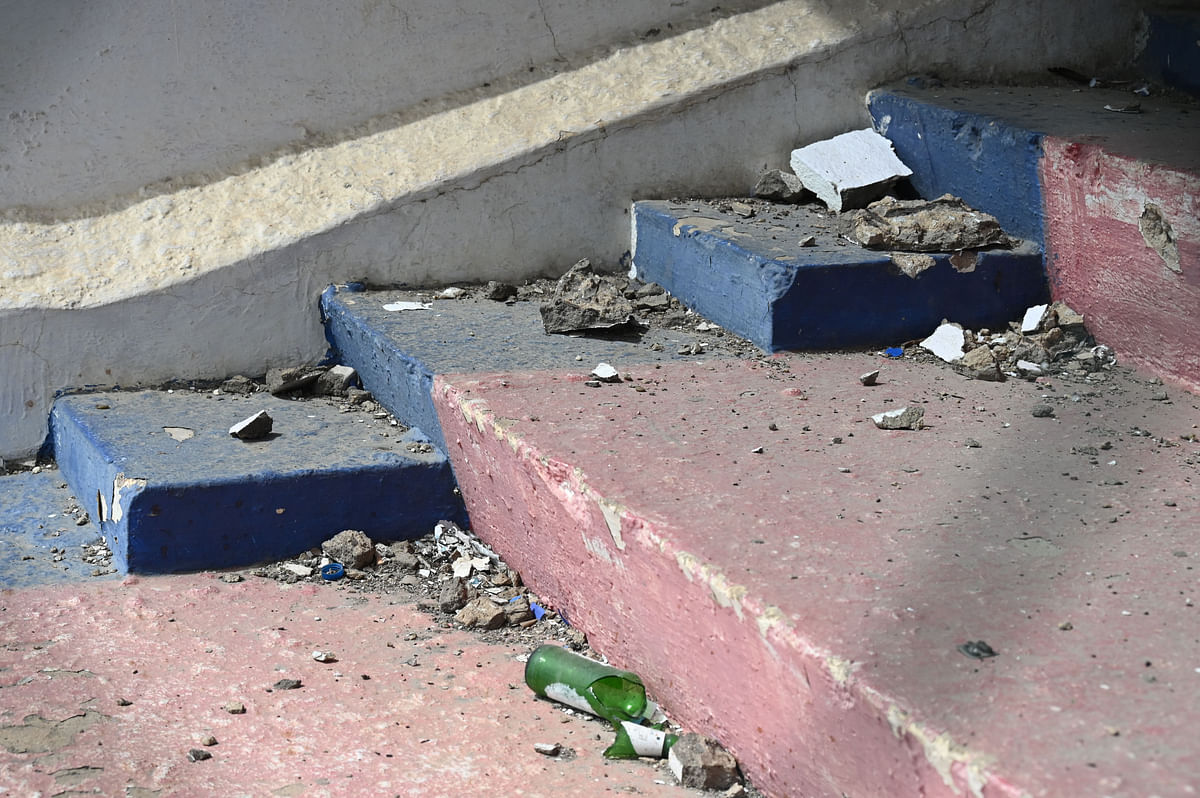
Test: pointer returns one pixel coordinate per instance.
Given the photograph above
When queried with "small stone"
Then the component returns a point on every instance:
(351, 548)
(235, 708)
(453, 292)
(701, 763)
(298, 569)
(198, 755)
(232, 579)
(499, 292)
(971, 443)
(779, 186)
(82, 520)
(1159, 396)
(208, 740)
(980, 364)
(124, 702)
(547, 749)
(357, 396)
(1028, 369)
(336, 381)
(1066, 626)
(742, 209)
(454, 595)
(481, 613)
(324, 656)
(870, 378)
(518, 611)
(284, 380)
(253, 428)
(902, 418)
(1042, 410)
(287, 684)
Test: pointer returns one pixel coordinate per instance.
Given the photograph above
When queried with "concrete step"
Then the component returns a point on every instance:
(171, 490)
(760, 278)
(1113, 197)
(399, 353)
(803, 585)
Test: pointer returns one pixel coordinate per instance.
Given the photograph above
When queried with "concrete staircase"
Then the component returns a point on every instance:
(787, 577)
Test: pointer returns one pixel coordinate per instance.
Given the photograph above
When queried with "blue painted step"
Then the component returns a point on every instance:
(201, 499)
(398, 353)
(757, 279)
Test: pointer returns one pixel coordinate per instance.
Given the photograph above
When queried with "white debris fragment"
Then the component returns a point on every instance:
(298, 569)
(850, 170)
(453, 292)
(1033, 318)
(903, 418)
(398, 306)
(1028, 369)
(324, 656)
(256, 426)
(606, 373)
(946, 342)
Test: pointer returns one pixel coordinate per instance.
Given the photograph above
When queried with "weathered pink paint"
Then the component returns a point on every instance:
(440, 715)
(1101, 264)
(809, 617)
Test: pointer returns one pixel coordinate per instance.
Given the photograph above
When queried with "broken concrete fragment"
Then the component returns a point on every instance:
(1028, 369)
(1042, 410)
(902, 418)
(779, 186)
(298, 569)
(947, 342)
(292, 378)
(324, 656)
(583, 301)
(235, 708)
(198, 755)
(849, 170)
(453, 292)
(1066, 317)
(287, 684)
(351, 548)
(239, 384)
(606, 373)
(980, 364)
(946, 224)
(547, 749)
(253, 428)
(481, 613)
(870, 378)
(336, 381)
(912, 264)
(701, 763)
(1032, 320)
(499, 292)
(454, 595)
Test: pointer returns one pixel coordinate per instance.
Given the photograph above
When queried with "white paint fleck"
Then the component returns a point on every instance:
(123, 489)
(400, 306)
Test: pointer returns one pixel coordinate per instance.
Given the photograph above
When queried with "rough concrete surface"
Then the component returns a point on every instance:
(520, 183)
(105, 688)
(801, 582)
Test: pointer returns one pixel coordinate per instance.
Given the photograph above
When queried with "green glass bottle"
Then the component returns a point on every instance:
(634, 740)
(587, 685)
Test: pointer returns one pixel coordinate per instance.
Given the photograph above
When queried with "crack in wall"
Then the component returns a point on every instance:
(553, 38)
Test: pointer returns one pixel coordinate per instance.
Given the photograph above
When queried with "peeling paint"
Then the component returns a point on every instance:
(612, 516)
(123, 489)
(943, 754)
(699, 224)
(1159, 236)
(965, 262)
(770, 618)
(840, 669)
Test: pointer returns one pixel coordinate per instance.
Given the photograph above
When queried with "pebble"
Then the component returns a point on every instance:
(208, 739)
(287, 684)
(235, 708)
(547, 749)
(1042, 411)
(198, 755)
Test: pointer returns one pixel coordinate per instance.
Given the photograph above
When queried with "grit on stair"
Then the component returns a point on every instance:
(506, 186)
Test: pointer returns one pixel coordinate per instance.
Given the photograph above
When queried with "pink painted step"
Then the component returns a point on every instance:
(805, 603)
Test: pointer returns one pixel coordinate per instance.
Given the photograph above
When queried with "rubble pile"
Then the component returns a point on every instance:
(1048, 337)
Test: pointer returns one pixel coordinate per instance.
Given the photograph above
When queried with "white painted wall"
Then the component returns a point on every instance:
(100, 98)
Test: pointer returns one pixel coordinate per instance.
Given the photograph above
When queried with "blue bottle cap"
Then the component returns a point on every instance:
(332, 572)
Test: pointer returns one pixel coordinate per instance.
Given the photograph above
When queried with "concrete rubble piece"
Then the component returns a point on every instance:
(583, 301)
(849, 170)
(945, 224)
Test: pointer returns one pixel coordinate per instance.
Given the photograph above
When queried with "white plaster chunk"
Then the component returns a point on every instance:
(849, 170)
(1027, 368)
(946, 342)
(1033, 318)
(396, 307)
(902, 418)
(298, 569)
(606, 373)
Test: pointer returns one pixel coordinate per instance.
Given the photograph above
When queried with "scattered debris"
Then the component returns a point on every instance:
(292, 378)
(481, 612)
(256, 427)
(701, 763)
(910, 417)
(239, 384)
(945, 224)
(287, 684)
(976, 649)
(499, 292)
(351, 548)
(946, 342)
(779, 186)
(453, 292)
(980, 364)
(584, 301)
(198, 755)
(849, 170)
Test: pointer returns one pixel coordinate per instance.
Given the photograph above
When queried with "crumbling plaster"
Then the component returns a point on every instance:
(224, 277)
